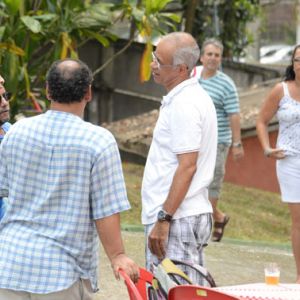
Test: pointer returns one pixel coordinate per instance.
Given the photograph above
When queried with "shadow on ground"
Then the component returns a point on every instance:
(229, 262)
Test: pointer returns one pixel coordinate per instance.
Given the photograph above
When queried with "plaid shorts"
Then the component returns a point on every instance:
(186, 240)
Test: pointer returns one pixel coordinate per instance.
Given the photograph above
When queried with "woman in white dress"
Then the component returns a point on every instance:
(284, 101)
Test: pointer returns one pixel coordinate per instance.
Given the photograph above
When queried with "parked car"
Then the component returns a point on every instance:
(280, 56)
(270, 49)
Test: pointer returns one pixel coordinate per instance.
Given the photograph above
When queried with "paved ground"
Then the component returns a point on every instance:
(229, 262)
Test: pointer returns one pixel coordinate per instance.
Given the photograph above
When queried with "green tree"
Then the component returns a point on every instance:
(223, 19)
(34, 33)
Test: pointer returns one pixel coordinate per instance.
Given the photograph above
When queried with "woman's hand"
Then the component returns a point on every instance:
(274, 153)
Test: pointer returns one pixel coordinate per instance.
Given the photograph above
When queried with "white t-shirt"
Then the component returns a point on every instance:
(187, 123)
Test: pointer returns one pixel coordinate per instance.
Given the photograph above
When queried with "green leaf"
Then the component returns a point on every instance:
(100, 38)
(13, 6)
(2, 30)
(156, 5)
(10, 67)
(173, 17)
(112, 36)
(32, 24)
(11, 47)
(96, 15)
(46, 17)
(137, 14)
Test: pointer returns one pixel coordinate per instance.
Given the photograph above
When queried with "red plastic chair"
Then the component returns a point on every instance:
(140, 290)
(194, 292)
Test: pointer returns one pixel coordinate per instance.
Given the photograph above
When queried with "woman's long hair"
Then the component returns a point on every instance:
(289, 72)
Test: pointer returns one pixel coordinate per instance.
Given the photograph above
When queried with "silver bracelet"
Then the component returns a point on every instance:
(267, 152)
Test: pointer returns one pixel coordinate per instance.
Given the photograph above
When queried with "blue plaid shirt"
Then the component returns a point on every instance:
(59, 173)
(5, 128)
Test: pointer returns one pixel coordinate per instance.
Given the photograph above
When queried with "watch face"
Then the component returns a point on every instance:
(163, 216)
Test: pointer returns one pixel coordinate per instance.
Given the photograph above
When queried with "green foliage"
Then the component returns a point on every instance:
(35, 33)
(226, 20)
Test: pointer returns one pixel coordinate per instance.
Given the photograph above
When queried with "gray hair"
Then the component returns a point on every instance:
(187, 55)
(212, 41)
(186, 49)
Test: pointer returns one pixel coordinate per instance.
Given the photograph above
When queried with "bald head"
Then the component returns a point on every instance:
(67, 68)
(68, 80)
(180, 39)
(184, 48)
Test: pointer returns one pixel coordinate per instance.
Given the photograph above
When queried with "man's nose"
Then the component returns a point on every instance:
(154, 65)
(3, 101)
(1, 80)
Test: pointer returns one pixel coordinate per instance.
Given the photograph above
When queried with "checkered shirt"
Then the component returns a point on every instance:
(61, 173)
(5, 127)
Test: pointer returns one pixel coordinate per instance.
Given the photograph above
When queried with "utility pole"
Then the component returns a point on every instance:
(298, 23)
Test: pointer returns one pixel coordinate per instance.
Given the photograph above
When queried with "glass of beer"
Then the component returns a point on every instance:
(272, 273)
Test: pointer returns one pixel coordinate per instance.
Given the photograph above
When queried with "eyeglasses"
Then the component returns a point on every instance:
(296, 59)
(6, 96)
(159, 65)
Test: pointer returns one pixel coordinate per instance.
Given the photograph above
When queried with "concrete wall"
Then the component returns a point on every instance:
(118, 92)
(246, 75)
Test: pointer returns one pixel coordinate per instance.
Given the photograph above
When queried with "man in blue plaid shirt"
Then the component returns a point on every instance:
(65, 187)
(4, 125)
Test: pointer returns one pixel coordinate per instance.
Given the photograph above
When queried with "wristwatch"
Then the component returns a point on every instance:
(237, 144)
(163, 216)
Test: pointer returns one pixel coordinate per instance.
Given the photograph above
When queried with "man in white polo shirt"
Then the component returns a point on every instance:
(176, 210)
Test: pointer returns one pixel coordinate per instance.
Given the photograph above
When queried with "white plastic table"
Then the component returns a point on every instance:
(262, 291)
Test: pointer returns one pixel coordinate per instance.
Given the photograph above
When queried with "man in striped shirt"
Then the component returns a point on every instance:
(65, 187)
(222, 90)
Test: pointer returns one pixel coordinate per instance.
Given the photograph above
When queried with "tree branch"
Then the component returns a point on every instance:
(130, 41)
(113, 57)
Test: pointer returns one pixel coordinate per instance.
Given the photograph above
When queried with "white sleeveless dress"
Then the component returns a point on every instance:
(288, 169)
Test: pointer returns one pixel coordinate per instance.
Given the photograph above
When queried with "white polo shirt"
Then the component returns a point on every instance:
(187, 123)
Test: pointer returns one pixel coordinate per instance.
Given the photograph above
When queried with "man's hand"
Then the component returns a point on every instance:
(109, 231)
(158, 238)
(125, 263)
(237, 152)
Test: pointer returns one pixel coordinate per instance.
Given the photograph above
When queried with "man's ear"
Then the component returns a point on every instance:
(47, 93)
(183, 69)
(88, 94)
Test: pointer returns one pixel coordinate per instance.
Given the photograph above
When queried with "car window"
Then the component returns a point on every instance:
(270, 53)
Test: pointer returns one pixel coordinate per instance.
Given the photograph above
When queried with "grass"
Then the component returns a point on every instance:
(256, 215)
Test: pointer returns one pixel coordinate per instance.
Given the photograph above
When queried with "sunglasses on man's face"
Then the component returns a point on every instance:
(6, 96)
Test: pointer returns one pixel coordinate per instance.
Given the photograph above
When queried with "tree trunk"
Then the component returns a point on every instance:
(190, 15)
